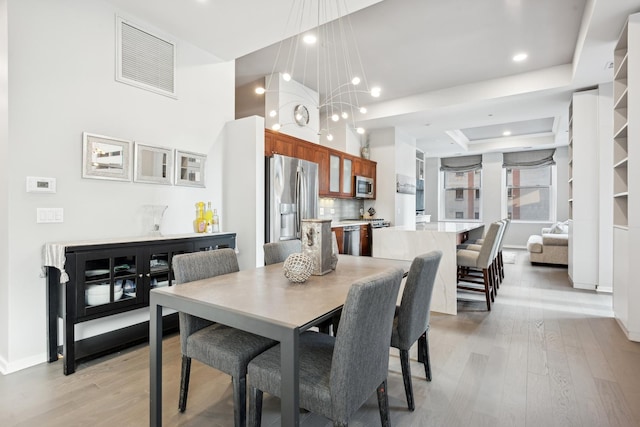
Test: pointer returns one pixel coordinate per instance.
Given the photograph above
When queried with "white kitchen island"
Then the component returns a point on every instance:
(406, 242)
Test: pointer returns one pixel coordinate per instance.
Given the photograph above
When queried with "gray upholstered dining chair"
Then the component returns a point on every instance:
(221, 347)
(411, 322)
(338, 374)
(275, 252)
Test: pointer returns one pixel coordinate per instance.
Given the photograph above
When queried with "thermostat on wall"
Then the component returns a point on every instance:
(36, 184)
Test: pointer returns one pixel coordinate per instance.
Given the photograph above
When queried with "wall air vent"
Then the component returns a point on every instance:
(144, 60)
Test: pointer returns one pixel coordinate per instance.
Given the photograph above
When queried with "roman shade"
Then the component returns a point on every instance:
(461, 164)
(528, 159)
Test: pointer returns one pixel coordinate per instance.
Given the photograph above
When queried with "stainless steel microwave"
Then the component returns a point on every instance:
(364, 187)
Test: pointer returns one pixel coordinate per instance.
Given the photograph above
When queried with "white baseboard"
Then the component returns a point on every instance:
(9, 368)
(631, 335)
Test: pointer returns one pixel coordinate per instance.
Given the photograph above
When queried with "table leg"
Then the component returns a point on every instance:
(289, 368)
(155, 363)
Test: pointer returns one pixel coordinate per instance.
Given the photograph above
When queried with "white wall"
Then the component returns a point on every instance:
(4, 183)
(605, 177)
(492, 188)
(405, 163)
(61, 83)
(382, 150)
(431, 186)
(282, 97)
(244, 196)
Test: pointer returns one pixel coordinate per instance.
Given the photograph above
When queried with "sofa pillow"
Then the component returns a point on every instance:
(560, 228)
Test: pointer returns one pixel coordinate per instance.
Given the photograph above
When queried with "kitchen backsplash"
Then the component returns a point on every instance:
(342, 208)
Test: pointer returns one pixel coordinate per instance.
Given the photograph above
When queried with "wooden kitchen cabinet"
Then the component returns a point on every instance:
(339, 238)
(365, 240)
(341, 173)
(336, 169)
(321, 157)
(364, 167)
(287, 145)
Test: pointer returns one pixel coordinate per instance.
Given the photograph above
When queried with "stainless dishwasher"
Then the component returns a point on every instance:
(351, 240)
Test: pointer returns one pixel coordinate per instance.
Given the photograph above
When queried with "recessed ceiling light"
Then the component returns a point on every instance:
(520, 57)
(506, 133)
(309, 39)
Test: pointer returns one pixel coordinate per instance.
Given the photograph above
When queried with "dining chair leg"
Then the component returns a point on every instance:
(335, 322)
(406, 377)
(184, 383)
(501, 265)
(325, 327)
(255, 407)
(239, 401)
(495, 282)
(423, 355)
(383, 404)
(492, 285)
(487, 290)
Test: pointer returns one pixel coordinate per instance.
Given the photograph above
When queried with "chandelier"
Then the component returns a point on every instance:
(324, 59)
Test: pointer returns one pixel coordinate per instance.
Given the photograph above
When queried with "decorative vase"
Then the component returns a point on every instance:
(154, 214)
(316, 243)
(364, 152)
(334, 250)
(297, 267)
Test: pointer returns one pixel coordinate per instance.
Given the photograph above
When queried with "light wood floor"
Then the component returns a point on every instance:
(546, 355)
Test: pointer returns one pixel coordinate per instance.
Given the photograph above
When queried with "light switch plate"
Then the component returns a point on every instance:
(49, 215)
(38, 184)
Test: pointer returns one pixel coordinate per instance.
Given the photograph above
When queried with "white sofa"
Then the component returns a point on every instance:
(550, 247)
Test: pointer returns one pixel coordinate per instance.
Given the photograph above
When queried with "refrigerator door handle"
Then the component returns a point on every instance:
(298, 203)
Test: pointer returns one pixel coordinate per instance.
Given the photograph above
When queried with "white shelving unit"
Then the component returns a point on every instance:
(583, 196)
(626, 177)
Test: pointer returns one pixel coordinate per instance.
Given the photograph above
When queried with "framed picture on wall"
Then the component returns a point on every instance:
(405, 184)
(104, 157)
(190, 168)
(153, 165)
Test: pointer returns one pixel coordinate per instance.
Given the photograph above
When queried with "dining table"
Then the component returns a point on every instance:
(264, 302)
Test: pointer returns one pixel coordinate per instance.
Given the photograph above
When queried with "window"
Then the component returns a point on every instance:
(529, 193)
(462, 195)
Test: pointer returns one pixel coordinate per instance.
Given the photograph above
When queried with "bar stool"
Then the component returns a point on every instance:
(470, 261)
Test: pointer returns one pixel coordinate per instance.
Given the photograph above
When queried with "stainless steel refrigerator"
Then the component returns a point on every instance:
(291, 195)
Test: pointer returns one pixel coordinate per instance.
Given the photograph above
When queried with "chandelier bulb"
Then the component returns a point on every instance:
(345, 115)
(375, 91)
(330, 137)
(286, 77)
(355, 81)
(363, 110)
(335, 118)
(309, 39)
(273, 113)
(276, 126)
(260, 90)
(360, 131)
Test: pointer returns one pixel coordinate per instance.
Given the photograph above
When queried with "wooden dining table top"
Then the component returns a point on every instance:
(266, 293)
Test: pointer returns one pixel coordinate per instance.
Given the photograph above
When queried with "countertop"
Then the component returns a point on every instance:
(446, 227)
(347, 222)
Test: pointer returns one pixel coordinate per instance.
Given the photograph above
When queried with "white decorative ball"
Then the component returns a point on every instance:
(298, 267)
